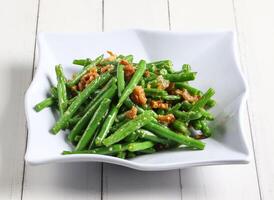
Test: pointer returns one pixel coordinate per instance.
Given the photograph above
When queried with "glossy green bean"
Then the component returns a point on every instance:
(132, 137)
(190, 89)
(155, 92)
(93, 124)
(139, 146)
(82, 62)
(163, 131)
(129, 127)
(132, 83)
(44, 104)
(106, 126)
(203, 100)
(180, 77)
(83, 122)
(109, 84)
(174, 108)
(147, 135)
(121, 79)
(187, 116)
(61, 89)
(181, 127)
(81, 98)
(78, 76)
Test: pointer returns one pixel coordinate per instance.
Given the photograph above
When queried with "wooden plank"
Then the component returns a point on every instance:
(254, 21)
(135, 14)
(124, 183)
(68, 180)
(230, 182)
(119, 182)
(17, 19)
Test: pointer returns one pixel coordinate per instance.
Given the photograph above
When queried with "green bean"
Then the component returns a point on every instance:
(155, 92)
(121, 79)
(138, 146)
(210, 103)
(92, 142)
(117, 125)
(161, 62)
(160, 111)
(152, 84)
(186, 106)
(121, 117)
(129, 127)
(187, 116)
(132, 137)
(206, 114)
(147, 151)
(174, 108)
(186, 68)
(54, 92)
(116, 148)
(180, 77)
(81, 98)
(113, 149)
(83, 122)
(129, 58)
(171, 98)
(181, 127)
(129, 104)
(61, 89)
(77, 138)
(121, 154)
(203, 100)
(131, 155)
(163, 72)
(106, 126)
(197, 125)
(110, 84)
(147, 135)
(82, 62)
(44, 104)
(93, 124)
(151, 68)
(152, 76)
(190, 89)
(132, 83)
(205, 129)
(143, 82)
(163, 131)
(77, 78)
(166, 64)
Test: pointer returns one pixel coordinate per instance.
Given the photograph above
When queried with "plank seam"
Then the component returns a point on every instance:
(168, 12)
(249, 113)
(32, 74)
(103, 15)
(102, 164)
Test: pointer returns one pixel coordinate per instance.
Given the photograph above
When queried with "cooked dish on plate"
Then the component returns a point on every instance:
(119, 107)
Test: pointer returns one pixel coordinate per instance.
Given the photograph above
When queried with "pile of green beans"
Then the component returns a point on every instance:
(98, 114)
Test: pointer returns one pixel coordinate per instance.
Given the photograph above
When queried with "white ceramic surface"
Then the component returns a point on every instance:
(211, 54)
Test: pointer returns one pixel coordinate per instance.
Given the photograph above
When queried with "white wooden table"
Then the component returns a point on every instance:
(21, 20)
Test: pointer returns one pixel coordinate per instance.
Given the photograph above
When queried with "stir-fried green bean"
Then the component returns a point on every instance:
(98, 107)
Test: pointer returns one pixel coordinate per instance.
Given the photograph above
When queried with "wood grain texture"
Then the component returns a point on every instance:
(230, 181)
(118, 182)
(17, 19)
(254, 21)
(68, 180)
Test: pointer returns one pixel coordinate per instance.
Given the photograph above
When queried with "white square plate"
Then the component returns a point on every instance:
(211, 54)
